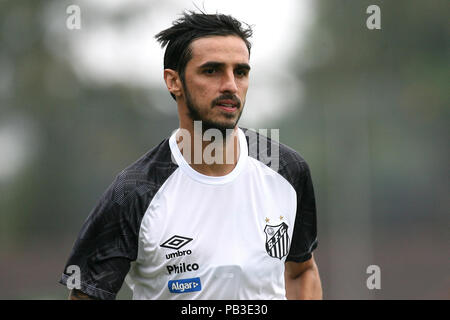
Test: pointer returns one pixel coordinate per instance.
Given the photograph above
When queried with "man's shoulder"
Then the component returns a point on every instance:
(276, 155)
(157, 158)
(145, 174)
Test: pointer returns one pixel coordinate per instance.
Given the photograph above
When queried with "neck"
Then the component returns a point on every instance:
(209, 152)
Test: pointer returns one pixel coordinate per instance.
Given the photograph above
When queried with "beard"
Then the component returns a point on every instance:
(207, 123)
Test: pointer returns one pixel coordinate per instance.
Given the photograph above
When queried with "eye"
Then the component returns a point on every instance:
(242, 72)
(209, 71)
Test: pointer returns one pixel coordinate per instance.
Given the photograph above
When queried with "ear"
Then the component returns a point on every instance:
(173, 82)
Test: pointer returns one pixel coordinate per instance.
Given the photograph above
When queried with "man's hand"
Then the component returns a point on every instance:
(302, 280)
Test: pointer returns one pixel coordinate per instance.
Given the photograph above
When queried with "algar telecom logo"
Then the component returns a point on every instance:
(185, 285)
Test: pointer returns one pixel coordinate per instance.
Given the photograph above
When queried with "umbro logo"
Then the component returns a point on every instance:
(176, 242)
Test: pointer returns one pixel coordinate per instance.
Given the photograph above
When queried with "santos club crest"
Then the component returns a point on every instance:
(277, 240)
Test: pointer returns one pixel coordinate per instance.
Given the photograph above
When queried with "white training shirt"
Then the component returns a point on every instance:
(175, 233)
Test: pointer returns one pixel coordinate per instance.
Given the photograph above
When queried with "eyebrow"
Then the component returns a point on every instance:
(215, 64)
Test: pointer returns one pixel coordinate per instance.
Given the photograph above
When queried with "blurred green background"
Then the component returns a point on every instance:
(372, 122)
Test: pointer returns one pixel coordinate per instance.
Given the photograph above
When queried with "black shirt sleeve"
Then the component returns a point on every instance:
(106, 245)
(108, 240)
(304, 237)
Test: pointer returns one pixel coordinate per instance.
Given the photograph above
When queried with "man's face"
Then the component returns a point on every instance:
(216, 81)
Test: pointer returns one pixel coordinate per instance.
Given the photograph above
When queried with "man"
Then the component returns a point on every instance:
(177, 226)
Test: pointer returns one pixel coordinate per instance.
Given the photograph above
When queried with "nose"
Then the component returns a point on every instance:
(229, 83)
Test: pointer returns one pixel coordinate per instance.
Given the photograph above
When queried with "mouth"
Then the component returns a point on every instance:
(227, 105)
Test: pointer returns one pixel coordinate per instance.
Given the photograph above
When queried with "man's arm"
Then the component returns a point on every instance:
(302, 280)
(78, 295)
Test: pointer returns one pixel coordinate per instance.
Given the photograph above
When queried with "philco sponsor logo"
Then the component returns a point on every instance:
(182, 267)
(185, 285)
